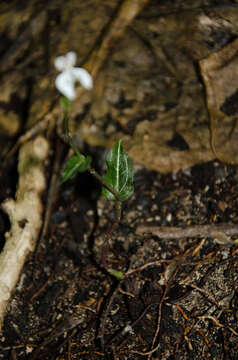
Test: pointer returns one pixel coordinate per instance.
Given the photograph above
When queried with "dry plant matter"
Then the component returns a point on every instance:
(25, 217)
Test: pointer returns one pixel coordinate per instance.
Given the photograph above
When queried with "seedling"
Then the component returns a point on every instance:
(117, 185)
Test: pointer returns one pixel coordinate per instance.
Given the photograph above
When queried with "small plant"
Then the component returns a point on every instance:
(117, 185)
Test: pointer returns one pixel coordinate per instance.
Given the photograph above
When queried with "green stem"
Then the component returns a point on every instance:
(92, 171)
(69, 137)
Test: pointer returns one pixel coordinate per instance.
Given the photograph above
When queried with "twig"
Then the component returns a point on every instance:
(149, 353)
(53, 188)
(124, 330)
(39, 127)
(33, 29)
(159, 315)
(142, 267)
(173, 232)
(64, 326)
(104, 317)
(210, 297)
(126, 13)
(39, 291)
(217, 323)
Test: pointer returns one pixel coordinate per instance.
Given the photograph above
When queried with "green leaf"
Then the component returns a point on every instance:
(119, 173)
(76, 164)
(117, 274)
(66, 103)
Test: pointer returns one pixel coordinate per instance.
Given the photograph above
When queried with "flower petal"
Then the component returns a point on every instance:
(64, 82)
(83, 77)
(71, 59)
(60, 63)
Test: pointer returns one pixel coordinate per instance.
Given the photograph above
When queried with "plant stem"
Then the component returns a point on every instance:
(69, 137)
(92, 171)
(118, 211)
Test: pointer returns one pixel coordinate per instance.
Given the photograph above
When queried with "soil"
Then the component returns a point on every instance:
(170, 297)
(67, 307)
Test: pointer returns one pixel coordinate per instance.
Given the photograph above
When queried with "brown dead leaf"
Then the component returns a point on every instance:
(220, 75)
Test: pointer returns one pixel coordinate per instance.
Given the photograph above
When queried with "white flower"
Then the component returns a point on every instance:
(65, 81)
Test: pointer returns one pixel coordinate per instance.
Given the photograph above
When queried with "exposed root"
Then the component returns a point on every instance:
(25, 215)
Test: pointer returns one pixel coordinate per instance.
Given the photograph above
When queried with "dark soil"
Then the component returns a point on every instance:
(67, 307)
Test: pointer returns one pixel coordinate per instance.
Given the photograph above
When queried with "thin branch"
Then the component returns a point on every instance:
(212, 230)
(149, 353)
(51, 197)
(208, 295)
(105, 315)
